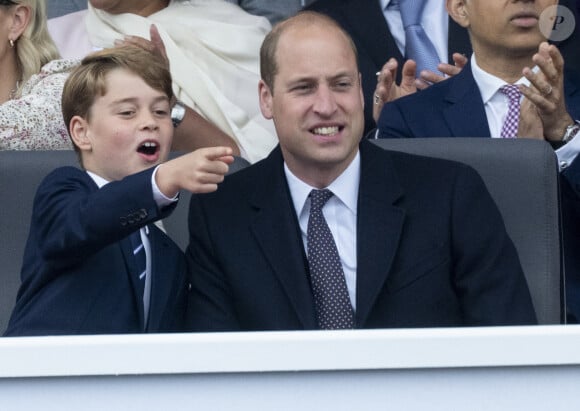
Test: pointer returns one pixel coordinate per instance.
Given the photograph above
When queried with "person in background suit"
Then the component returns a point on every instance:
(273, 10)
(380, 40)
(407, 241)
(569, 46)
(507, 43)
(56, 8)
(94, 261)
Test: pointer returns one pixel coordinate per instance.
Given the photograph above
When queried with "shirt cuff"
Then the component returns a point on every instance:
(568, 152)
(160, 199)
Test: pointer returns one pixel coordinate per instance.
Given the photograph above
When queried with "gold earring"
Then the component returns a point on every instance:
(11, 43)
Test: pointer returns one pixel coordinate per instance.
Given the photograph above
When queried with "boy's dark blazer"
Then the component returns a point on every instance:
(78, 274)
(432, 250)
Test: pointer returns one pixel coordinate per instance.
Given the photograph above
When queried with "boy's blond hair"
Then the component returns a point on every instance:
(88, 81)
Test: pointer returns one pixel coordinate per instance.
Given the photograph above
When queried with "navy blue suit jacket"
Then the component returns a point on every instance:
(432, 250)
(79, 274)
(366, 24)
(454, 108)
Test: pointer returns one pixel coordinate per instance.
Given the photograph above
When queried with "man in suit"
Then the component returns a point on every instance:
(506, 42)
(94, 262)
(569, 45)
(379, 41)
(409, 242)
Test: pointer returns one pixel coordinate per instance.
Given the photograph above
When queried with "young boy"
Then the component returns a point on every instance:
(95, 262)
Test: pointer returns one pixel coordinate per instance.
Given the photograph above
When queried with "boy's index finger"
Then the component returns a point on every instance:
(226, 159)
(214, 153)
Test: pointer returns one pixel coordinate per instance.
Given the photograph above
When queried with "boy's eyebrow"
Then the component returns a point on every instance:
(135, 99)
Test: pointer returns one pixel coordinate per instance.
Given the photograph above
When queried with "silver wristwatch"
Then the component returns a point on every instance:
(571, 132)
(177, 113)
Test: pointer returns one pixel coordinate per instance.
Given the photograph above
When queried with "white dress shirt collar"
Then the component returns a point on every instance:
(344, 187)
(487, 83)
(99, 181)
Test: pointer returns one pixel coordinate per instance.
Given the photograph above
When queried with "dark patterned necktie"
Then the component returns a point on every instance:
(333, 308)
(512, 120)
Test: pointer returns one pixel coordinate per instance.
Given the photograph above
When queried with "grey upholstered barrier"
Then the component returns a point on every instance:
(522, 177)
(20, 174)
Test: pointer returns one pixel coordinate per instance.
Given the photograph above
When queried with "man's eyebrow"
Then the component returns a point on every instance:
(342, 74)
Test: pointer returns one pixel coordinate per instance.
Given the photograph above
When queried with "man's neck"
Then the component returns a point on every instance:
(507, 67)
(143, 10)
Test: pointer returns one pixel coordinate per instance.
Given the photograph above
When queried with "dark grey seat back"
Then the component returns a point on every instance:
(522, 177)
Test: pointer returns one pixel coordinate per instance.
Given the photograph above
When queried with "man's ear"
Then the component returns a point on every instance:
(20, 20)
(265, 100)
(457, 10)
(79, 133)
(362, 96)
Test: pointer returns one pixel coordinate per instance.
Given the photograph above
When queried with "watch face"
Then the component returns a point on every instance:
(571, 132)
(177, 113)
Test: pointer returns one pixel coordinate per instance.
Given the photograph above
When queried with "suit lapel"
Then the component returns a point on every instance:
(127, 250)
(380, 223)
(275, 228)
(465, 114)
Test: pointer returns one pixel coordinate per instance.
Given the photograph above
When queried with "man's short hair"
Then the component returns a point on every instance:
(268, 63)
(88, 81)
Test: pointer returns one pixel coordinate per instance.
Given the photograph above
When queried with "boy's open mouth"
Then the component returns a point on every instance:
(148, 148)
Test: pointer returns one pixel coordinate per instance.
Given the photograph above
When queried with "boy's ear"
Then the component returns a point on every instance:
(20, 20)
(265, 100)
(79, 133)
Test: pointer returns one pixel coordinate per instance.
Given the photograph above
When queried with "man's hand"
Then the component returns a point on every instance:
(546, 93)
(388, 90)
(426, 77)
(530, 124)
(155, 46)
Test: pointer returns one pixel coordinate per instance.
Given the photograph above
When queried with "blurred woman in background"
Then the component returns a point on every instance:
(31, 79)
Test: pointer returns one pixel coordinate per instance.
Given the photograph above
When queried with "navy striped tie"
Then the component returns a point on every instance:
(140, 264)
